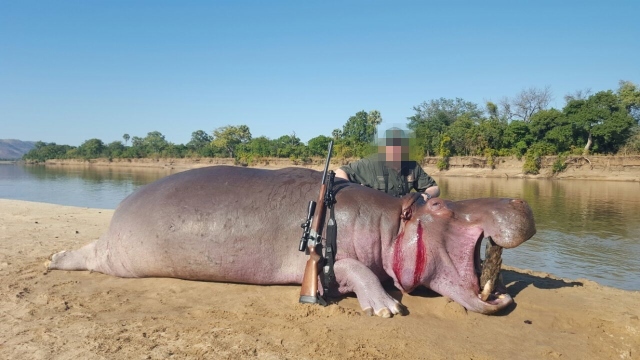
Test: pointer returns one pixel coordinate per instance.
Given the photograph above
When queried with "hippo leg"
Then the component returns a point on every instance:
(354, 276)
(81, 259)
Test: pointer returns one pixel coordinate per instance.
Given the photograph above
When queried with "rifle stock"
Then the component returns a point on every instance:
(309, 288)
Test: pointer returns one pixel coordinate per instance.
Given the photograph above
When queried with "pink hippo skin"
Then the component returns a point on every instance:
(234, 224)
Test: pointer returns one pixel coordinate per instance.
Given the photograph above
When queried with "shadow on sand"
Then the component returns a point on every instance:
(514, 281)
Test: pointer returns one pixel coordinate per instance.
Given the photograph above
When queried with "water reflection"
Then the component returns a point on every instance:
(586, 229)
(97, 187)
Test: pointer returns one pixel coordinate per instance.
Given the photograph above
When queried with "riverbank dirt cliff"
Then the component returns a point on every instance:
(612, 168)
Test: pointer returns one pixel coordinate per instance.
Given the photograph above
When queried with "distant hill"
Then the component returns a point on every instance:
(11, 149)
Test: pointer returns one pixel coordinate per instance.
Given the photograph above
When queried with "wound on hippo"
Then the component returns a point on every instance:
(400, 260)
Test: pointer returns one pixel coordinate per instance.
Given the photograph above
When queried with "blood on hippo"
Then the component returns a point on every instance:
(206, 224)
(400, 263)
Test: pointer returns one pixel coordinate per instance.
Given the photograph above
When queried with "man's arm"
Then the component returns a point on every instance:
(426, 184)
(342, 174)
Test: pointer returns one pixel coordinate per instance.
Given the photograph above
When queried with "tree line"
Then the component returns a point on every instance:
(605, 122)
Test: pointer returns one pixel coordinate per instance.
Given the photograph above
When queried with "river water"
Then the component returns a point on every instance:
(586, 229)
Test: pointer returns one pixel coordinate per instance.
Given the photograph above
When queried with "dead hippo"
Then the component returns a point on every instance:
(242, 225)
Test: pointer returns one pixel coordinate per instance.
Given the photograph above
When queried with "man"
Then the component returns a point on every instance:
(390, 170)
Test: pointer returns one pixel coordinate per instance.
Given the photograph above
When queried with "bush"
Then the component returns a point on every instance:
(532, 157)
(443, 164)
(559, 165)
(444, 151)
(490, 154)
(531, 163)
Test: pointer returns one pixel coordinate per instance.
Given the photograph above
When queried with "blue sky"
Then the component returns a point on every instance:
(75, 70)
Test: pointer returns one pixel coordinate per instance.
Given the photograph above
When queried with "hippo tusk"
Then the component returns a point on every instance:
(490, 269)
(486, 290)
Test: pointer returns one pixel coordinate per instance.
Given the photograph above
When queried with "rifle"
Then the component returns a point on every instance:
(311, 240)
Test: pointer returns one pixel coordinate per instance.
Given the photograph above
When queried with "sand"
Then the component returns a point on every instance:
(83, 315)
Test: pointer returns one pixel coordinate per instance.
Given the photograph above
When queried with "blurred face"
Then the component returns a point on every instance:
(396, 153)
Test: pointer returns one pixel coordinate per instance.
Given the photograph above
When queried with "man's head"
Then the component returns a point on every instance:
(395, 145)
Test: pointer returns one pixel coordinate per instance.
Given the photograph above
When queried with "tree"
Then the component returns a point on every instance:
(578, 95)
(154, 142)
(358, 134)
(431, 120)
(126, 138)
(288, 145)
(490, 134)
(526, 103)
(199, 139)
(553, 127)
(44, 151)
(229, 137)
(261, 146)
(360, 129)
(462, 137)
(115, 149)
(319, 145)
(518, 137)
(629, 95)
(373, 120)
(492, 110)
(602, 120)
(91, 149)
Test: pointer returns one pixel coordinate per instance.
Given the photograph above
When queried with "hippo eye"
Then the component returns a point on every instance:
(435, 205)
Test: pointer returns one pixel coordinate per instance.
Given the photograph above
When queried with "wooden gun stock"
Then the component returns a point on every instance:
(309, 288)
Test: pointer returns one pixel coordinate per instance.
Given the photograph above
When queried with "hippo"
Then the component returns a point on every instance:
(242, 225)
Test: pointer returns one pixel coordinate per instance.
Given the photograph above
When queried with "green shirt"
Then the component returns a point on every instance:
(372, 172)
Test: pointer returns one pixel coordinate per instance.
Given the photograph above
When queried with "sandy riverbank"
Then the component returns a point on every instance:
(82, 315)
(612, 168)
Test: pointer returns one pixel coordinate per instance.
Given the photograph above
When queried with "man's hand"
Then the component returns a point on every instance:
(431, 192)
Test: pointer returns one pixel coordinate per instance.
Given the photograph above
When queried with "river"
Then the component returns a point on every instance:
(586, 229)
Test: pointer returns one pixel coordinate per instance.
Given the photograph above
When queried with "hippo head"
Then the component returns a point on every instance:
(438, 246)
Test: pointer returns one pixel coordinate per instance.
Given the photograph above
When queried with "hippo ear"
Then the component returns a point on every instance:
(407, 205)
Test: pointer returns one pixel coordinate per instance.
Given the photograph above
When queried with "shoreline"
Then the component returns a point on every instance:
(78, 314)
(606, 168)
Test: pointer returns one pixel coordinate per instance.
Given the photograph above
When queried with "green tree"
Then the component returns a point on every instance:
(319, 145)
(261, 146)
(431, 120)
(462, 136)
(45, 151)
(517, 137)
(553, 127)
(289, 146)
(361, 128)
(629, 95)
(91, 149)
(115, 149)
(199, 140)
(126, 138)
(373, 120)
(155, 143)
(229, 137)
(602, 120)
(490, 134)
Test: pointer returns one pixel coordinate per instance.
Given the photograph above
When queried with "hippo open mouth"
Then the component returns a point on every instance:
(487, 270)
